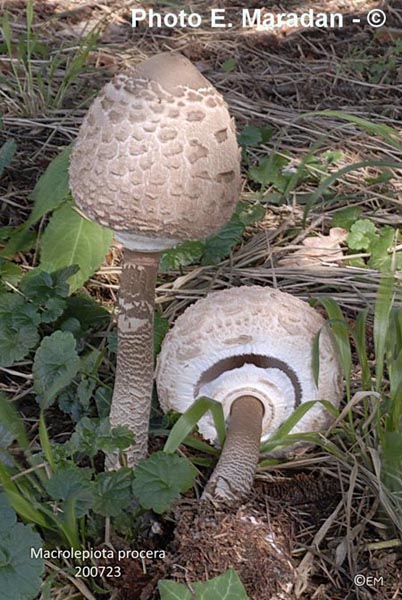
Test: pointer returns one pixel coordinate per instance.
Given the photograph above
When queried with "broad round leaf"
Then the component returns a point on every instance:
(55, 365)
(160, 479)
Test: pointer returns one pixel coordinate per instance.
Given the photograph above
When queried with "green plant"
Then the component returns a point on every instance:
(160, 479)
(55, 477)
(380, 244)
(380, 396)
(20, 573)
(227, 585)
(386, 133)
(68, 240)
(378, 68)
(216, 247)
(7, 151)
(34, 85)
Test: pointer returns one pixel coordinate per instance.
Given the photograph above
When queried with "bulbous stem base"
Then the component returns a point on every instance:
(233, 476)
(132, 393)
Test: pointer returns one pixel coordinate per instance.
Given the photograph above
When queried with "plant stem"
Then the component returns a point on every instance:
(234, 474)
(132, 393)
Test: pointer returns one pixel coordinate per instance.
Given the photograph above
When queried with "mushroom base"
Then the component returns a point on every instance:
(233, 476)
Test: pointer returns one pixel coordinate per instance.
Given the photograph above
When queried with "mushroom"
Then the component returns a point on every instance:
(157, 161)
(249, 348)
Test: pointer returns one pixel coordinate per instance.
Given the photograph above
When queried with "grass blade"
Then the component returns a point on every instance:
(340, 329)
(282, 434)
(359, 336)
(382, 312)
(188, 420)
(45, 442)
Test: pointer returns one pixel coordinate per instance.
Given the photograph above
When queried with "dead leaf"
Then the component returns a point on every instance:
(318, 250)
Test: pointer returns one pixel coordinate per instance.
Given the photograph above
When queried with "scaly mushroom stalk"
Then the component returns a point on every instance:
(249, 348)
(156, 160)
(135, 360)
(234, 473)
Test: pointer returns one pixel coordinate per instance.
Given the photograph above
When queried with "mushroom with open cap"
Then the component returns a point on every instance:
(249, 348)
(156, 160)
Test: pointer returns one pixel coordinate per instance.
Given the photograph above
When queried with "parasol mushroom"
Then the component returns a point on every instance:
(157, 161)
(249, 348)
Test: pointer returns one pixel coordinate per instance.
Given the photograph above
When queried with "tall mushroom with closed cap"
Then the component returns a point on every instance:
(156, 160)
(249, 348)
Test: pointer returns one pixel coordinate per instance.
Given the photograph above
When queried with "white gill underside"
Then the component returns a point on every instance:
(269, 385)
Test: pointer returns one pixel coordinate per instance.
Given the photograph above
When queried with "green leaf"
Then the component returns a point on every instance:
(16, 344)
(13, 422)
(218, 246)
(360, 338)
(188, 420)
(270, 171)
(340, 329)
(20, 573)
(282, 436)
(7, 152)
(21, 240)
(346, 217)
(45, 441)
(103, 401)
(18, 328)
(69, 239)
(6, 232)
(391, 464)
(8, 517)
(248, 214)
(69, 402)
(10, 273)
(185, 254)
(161, 478)
(55, 365)
(6, 439)
(315, 360)
(170, 590)
(23, 507)
(90, 314)
(381, 251)
(69, 483)
(40, 286)
(362, 232)
(229, 65)
(250, 136)
(227, 586)
(92, 435)
(48, 290)
(382, 312)
(52, 188)
(113, 492)
(161, 327)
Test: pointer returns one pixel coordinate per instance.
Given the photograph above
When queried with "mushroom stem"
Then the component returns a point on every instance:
(234, 474)
(132, 393)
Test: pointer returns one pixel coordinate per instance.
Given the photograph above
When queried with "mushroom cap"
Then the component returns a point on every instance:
(254, 341)
(156, 156)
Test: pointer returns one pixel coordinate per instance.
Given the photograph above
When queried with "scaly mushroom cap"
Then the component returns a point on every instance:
(157, 156)
(250, 341)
